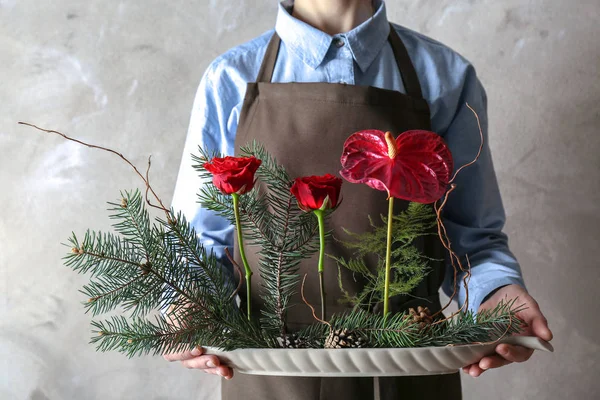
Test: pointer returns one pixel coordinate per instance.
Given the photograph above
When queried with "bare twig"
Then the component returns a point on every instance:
(442, 233)
(239, 270)
(146, 181)
(310, 306)
(454, 260)
(480, 146)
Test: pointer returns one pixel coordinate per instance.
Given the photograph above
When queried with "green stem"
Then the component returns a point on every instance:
(321, 219)
(322, 287)
(240, 237)
(388, 259)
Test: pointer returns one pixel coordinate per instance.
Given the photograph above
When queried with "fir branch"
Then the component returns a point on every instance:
(271, 221)
(100, 253)
(394, 331)
(179, 234)
(156, 265)
(135, 269)
(291, 238)
(279, 306)
(141, 336)
(133, 221)
(115, 269)
(466, 328)
(399, 330)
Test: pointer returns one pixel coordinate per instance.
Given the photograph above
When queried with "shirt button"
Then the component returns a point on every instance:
(338, 42)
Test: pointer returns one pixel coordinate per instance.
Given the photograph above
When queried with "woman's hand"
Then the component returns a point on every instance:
(195, 359)
(506, 353)
(207, 363)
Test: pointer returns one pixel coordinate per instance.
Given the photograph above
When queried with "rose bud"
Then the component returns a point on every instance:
(233, 174)
(317, 192)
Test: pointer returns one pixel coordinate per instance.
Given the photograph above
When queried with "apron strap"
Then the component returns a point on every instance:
(405, 65)
(265, 74)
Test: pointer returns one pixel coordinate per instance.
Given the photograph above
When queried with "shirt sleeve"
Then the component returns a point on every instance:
(474, 214)
(210, 129)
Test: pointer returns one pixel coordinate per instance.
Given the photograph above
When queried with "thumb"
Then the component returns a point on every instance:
(538, 324)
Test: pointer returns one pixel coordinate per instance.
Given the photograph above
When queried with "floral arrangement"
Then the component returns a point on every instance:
(158, 263)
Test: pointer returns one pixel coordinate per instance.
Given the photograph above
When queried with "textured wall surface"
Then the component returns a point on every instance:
(123, 74)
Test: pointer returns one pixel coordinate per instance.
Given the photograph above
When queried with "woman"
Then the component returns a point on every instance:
(365, 73)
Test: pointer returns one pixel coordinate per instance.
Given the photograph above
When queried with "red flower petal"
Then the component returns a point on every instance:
(233, 174)
(419, 172)
(311, 191)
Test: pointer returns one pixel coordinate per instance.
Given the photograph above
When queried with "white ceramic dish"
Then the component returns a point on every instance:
(365, 362)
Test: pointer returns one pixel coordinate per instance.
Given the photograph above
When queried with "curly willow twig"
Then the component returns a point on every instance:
(312, 309)
(238, 269)
(93, 146)
(443, 234)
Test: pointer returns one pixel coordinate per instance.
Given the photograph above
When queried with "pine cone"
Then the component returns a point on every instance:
(293, 341)
(421, 316)
(344, 339)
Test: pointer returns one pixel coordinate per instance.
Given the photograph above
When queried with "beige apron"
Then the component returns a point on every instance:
(304, 126)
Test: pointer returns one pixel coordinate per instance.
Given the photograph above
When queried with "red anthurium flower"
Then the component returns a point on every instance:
(416, 166)
(317, 192)
(233, 174)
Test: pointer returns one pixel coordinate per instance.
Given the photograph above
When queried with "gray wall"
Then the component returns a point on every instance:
(123, 74)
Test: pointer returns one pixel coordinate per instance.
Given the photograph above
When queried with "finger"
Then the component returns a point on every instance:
(228, 373)
(536, 321)
(493, 362)
(475, 371)
(202, 362)
(514, 353)
(221, 370)
(467, 369)
(186, 355)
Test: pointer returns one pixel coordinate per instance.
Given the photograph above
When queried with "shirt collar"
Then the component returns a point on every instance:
(311, 45)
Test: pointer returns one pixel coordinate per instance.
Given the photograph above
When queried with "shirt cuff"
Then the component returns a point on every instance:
(486, 278)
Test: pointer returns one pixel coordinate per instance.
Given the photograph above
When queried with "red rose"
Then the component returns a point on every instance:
(311, 191)
(233, 174)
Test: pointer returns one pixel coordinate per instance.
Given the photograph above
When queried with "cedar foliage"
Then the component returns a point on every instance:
(409, 266)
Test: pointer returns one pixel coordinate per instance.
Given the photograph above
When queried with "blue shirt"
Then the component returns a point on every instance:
(474, 215)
